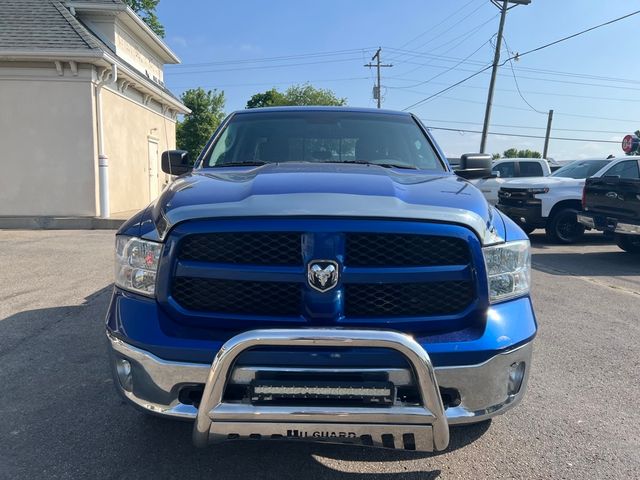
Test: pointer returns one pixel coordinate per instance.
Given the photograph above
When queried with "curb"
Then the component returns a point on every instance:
(60, 223)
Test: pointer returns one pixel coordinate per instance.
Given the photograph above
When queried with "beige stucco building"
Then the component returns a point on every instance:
(84, 114)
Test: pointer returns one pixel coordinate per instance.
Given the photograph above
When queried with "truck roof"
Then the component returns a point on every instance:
(321, 108)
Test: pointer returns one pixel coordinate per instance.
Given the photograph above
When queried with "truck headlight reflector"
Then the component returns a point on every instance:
(137, 264)
(508, 269)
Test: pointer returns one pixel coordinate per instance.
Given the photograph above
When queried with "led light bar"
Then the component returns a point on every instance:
(270, 391)
(324, 391)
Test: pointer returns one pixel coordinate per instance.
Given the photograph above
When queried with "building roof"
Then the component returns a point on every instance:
(42, 25)
(49, 29)
(130, 18)
(31, 25)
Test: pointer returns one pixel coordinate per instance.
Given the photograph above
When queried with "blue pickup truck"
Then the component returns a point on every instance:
(322, 274)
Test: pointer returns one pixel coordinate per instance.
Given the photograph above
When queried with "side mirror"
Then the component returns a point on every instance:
(474, 165)
(176, 162)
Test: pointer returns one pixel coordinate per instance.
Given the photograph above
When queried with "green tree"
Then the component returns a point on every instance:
(295, 95)
(495, 156)
(206, 114)
(515, 153)
(146, 10)
(267, 99)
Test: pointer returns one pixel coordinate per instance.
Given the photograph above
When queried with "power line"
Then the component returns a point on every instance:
(521, 55)
(448, 88)
(579, 75)
(550, 80)
(450, 68)
(528, 127)
(525, 69)
(529, 92)
(273, 59)
(465, 37)
(626, 120)
(439, 35)
(563, 39)
(439, 23)
(515, 79)
(262, 67)
(258, 84)
(569, 139)
(427, 55)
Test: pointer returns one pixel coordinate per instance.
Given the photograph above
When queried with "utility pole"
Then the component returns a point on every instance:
(546, 138)
(376, 89)
(496, 60)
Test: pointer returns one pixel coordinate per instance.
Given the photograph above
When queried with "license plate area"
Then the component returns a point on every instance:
(347, 390)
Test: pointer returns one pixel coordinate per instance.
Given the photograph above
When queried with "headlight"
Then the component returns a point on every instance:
(137, 264)
(539, 190)
(508, 269)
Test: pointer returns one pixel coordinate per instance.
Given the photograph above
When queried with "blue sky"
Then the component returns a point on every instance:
(331, 40)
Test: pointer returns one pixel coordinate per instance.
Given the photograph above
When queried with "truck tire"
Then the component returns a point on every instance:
(628, 243)
(563, 226)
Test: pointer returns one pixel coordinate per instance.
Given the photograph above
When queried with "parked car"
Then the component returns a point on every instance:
(551, 202)
(507, 168)
(322, 274)
(611, 203)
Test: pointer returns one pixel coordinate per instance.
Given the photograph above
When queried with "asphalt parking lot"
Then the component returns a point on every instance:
(61, 418)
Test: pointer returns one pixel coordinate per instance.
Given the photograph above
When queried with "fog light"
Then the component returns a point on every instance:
(123, 369)
(516, 375)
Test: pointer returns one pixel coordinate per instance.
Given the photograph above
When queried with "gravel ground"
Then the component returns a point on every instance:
(61, 417)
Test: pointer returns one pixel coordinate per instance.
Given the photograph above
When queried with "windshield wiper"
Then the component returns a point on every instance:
(395, 165)
(240, 164)
(384, 165)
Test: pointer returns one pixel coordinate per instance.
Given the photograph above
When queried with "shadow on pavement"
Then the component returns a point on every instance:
(540, 240)
(61, 417)
(593, 264)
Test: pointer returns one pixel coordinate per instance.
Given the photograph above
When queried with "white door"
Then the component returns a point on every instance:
(153, 169)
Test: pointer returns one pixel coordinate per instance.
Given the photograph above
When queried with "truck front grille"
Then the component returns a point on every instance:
(391, 276)
(394, 249)
(515, 197)
(244, 298)
(407, 299)
(256, 248)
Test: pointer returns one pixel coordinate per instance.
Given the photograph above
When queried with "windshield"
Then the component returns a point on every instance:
(580, 169)
(323, 137)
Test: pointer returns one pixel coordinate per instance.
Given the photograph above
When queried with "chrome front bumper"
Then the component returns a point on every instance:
(154, 386)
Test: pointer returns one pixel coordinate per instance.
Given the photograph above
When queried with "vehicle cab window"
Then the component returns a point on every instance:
(530, 169)
(505, 170)
(627, 169)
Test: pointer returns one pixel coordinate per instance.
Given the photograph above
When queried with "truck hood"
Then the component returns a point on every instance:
(534, 182)
(303, 189)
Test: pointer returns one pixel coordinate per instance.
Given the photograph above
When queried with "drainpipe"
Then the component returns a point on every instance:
(103, 161)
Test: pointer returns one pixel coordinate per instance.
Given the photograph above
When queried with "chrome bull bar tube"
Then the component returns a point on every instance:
(217, 420)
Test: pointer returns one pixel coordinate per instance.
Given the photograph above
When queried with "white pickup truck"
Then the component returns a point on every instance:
(551, 202)
(505, 169)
